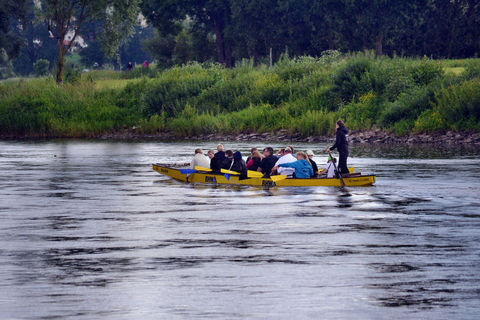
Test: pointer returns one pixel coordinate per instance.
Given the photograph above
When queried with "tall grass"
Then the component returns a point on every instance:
(42, 108)
(304, 95)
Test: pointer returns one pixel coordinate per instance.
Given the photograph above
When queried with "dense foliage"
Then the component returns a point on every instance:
(238, 29)
(303, 95)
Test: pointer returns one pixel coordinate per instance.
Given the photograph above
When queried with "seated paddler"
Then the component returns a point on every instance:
(199, 160)
(238, 165)
(217, 160)
(302, 166)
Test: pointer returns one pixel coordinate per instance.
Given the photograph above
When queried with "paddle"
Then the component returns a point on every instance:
(202, 169)
(335, 166)
(250, 173)
(278, 177)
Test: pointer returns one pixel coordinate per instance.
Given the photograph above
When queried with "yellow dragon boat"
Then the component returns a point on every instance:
(355, 180)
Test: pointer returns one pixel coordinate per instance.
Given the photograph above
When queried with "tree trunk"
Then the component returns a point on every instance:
(219, 41)
(331, 44)
(379, 45)
(364, 43)
(228, 53)
(61, 61)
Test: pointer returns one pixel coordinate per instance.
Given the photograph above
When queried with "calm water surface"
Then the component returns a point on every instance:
(88, 230)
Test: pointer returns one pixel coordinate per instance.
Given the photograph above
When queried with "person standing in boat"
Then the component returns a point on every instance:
(199, 160)
(217, 160)
(341, 144)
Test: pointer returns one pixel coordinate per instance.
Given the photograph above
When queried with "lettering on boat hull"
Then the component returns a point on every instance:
(210, 179)
(266, 183)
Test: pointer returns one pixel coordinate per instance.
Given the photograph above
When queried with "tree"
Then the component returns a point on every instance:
(41, 67)
(12, 15)
(168, 15)
(67, 17)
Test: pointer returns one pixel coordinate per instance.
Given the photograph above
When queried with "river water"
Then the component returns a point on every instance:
(88, 230)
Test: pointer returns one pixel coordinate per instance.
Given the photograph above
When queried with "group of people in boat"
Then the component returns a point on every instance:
(284, 162)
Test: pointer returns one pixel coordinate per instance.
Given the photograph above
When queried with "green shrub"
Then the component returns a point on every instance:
(361, 115)
(41, 67)
(426, 71)
(429, 121)
(140, 72)
(176, 87)
(315, 122)
(403, 127)
(304, 95)
(459, 105)
(473, 69)
(154, 124)
(352, 79)
(409, 105)
(71, 75)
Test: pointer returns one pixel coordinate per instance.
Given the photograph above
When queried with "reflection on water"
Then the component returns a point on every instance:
(88, 230)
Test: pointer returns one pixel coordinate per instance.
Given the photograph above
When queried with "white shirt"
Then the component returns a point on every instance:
(287, 158)
(330, 170)
(200, 160)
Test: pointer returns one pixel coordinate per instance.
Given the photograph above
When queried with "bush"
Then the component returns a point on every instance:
(473, 69)
(408, 106)
(176, 87)
(362, 114)
(429, 121)
(426, 71)
(40, 67)
(315, 123)
(304, 95)
(352, 79)
(459, 105)
(403, 127)
(140, 72)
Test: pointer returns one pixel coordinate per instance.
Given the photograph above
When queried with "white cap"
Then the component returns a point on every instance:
(309, 153)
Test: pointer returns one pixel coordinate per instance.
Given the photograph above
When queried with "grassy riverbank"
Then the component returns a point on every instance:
(304, 95)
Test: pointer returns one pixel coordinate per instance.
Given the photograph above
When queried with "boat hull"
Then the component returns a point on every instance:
(214, 178)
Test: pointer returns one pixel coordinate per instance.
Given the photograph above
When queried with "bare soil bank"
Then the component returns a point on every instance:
(360, 137)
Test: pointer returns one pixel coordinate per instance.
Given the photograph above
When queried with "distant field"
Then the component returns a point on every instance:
(455, 70)
(113, 83)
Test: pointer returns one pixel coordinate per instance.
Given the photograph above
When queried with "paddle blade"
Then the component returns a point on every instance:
(228, 171)
(254, 174)
(278, 178)
(227, 176)
(202, 169)
(187, 171)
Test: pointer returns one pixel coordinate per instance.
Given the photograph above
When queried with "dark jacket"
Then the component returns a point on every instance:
(239, 165)
(216, 162)
(253, 163)
(314, 167)
(227, 162)
(267, 164)
(341, 140)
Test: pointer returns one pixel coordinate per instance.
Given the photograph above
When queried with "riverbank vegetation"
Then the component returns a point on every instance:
(303, 95)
